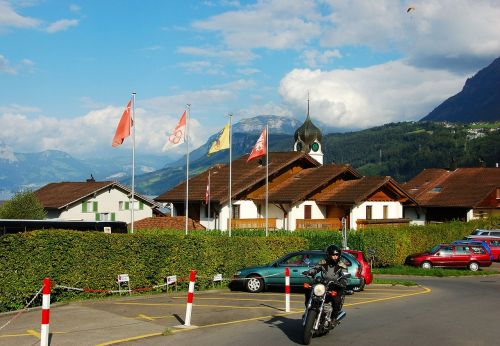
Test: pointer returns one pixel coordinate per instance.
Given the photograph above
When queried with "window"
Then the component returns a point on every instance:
(478, 250)
(446, 251)
(436, 189)
(89, 207)
(123, 205)
(462, 250)
(307, 212)
(259, 210)
(368, 212)
(236, 211)
(386, 212)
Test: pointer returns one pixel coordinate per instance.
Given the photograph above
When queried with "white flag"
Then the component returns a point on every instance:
(178, 135)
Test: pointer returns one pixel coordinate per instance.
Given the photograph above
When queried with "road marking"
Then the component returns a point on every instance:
(112, 342)
(201, 305)
(33, 333)
(145, 317)
(250, 299)
(14, 335)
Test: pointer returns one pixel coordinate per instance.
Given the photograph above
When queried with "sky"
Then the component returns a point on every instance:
(68, 68)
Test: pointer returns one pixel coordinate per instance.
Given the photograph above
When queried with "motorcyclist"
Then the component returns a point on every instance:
(330, 270)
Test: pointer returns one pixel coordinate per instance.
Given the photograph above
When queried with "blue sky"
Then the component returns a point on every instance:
(67, 68)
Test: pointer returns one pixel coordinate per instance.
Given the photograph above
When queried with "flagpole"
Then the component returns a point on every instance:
(209, 193)
(230, 173)
(133, 164)
(267, 178)
(187, 165)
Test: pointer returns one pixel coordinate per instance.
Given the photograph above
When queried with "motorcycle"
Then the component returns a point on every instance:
(317, 318)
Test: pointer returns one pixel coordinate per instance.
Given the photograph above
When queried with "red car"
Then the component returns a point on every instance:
(366, 269)
(452, 255)
(493, 243)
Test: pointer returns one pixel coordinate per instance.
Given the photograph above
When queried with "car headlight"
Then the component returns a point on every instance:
(319, 289)
(238, 273)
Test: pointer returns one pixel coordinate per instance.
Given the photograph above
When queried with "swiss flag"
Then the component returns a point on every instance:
(259, 148)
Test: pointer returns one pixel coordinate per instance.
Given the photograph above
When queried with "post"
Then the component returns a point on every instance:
(287, 289)
(189, 306)
(44, 332)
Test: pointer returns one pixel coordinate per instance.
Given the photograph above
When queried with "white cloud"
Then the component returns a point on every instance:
(5, 66)
(61, 25)
(371, 96)
(228, 55)
(314, 58)
(272, 24)
(203, 67)
(10, 18)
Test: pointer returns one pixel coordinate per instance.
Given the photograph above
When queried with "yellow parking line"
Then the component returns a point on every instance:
(112, 342)
(13, 335)
(33, 333)
(201, 305)
(246, 299)
(145, 317)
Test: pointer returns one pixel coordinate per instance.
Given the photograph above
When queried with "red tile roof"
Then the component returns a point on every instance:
(166, 222)
(463, 187)
(244, 176)
(60, 195)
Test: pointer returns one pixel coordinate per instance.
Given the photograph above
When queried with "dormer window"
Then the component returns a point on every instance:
(437, 189)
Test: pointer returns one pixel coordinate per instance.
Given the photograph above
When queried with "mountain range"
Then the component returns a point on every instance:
(400, 150)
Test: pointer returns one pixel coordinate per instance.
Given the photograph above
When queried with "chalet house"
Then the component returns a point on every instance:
(462, 194)
(302, 192)
(93, 201)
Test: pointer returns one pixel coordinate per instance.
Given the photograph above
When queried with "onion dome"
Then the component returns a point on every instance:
(306, 135)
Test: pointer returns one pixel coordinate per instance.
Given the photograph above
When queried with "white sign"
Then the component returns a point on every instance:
(171, 279)
(123, 278)
(107, 230)
(218, 277)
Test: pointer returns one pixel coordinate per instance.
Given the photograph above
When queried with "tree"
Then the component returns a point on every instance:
(24, 205)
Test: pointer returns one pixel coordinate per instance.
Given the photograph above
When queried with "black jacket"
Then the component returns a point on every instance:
(329, 272)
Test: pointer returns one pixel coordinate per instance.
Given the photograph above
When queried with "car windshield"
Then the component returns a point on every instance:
(434, 249)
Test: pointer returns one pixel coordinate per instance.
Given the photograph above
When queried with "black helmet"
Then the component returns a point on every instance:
(330, 251)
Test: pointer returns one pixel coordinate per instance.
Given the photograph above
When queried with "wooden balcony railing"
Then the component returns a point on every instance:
(363, 223)
(253, 223)
(333, 224)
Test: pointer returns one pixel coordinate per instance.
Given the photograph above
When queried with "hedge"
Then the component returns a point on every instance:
(93, 260)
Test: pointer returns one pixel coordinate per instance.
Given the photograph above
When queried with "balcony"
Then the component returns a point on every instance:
(364, 223)
(253, 223)
(332, 223)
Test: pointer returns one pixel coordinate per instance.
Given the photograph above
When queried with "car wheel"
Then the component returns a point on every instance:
(474, 266)
(361, 286)
(254, 284)
(426, 265)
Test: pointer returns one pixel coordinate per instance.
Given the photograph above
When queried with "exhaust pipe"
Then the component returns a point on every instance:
(341, 315)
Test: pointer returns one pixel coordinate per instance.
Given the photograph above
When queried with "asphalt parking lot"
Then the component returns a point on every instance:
(128, 318)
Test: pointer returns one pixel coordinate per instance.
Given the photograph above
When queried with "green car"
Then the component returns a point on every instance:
(258, 279)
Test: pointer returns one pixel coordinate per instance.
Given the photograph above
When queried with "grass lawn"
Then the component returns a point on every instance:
(440, 272)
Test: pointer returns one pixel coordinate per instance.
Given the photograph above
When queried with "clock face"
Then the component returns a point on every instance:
(315, 146)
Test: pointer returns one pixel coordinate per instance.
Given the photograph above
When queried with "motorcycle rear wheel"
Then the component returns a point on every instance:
(308, 327)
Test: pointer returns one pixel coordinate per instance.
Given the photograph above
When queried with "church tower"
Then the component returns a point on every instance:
(308, 139)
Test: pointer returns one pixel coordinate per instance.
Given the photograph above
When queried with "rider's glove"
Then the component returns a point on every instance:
(306, 273)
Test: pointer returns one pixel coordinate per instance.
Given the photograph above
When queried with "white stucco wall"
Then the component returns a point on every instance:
(417, 217)
(297, 212)
(394, 211)
(107, 202)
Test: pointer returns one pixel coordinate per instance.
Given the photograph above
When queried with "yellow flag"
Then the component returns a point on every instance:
(222, 142)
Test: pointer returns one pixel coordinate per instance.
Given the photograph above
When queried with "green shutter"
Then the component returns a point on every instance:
(113, 216)
(127, 205)
(141, 205)
(94, 206)
(97, 217)
(84, 207)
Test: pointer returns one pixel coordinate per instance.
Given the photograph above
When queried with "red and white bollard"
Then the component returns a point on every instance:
(44, 332)
(189, 306)
(287, 289)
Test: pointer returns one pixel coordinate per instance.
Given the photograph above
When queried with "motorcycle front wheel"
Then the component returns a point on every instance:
(308, 327)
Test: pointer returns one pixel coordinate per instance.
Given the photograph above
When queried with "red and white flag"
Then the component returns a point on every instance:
(178, 135)
(207, 192)
(259, 148)
(123, 128)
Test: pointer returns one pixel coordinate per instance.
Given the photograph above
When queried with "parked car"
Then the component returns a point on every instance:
(476, 242)
(259, 278)
(452, 255)
(483, 232)
(366, 269)
(493, 244)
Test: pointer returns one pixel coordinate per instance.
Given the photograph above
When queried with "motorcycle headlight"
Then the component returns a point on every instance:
(319, 289)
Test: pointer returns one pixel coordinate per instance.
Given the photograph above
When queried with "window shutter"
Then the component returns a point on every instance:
(141, 205)
(127, 205)
(113, 216)
(94, 206)
(84, 207)
(97, 217)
